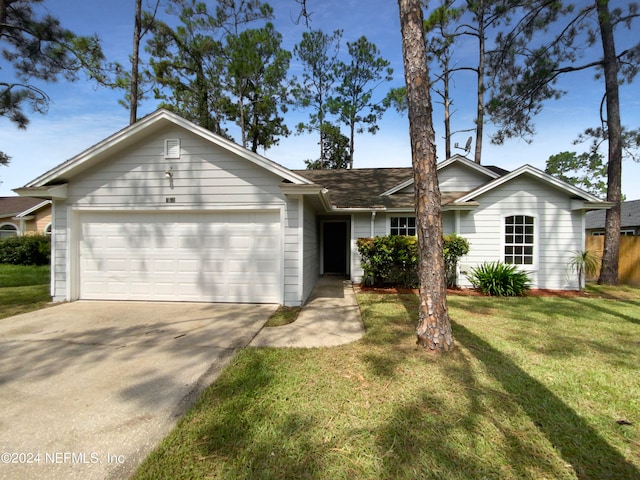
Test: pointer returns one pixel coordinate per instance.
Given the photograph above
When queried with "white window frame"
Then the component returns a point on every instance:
(406, 225)
(535, 244)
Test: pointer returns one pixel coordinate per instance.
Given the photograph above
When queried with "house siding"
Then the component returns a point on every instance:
(292, 252)
(205, 178)
(459, 178)
(59, 250)
(557, 230)
(311, 251)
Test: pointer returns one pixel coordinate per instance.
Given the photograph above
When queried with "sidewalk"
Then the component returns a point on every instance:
(331, 317)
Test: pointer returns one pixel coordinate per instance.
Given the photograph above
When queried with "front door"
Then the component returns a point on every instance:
(334, 249)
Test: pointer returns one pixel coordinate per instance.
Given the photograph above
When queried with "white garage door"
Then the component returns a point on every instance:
(221, 257)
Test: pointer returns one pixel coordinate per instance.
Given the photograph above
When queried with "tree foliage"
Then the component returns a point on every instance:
(336, 150)
(256, 73)
(357, 79)
(529, 59)
(188, 61)
(318, 54)
(587, 171)
(39, 49)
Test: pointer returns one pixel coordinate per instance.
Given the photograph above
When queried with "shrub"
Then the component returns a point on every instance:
(499, 279)
(26, 250)
(389, 260)
(393, 259)
(455, 247)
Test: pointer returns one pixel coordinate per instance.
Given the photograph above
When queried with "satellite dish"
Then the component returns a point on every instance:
(467, 147)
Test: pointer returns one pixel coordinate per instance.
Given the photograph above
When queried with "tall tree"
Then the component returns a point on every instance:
(587, 171)
(527, 64)
(257, 69)
(434, 326)
(440, 43)
(188, 60)
(318, 53)
(336, 150)
(357, 80)
(39, 50)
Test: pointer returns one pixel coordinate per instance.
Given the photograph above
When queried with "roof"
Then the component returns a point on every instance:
(12, 206)
(364, 187)
(629, 216)
(63, 172)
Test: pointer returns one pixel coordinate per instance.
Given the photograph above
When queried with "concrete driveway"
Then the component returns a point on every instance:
(87, 389)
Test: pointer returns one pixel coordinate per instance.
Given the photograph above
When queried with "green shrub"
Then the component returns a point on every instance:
(393, 259)
(389, 260)
(499, 279)
(26, 250)
(455, 247)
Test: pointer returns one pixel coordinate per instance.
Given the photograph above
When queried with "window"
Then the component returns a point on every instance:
(627, 233)
(47, 231)
(518, 239)
(403, 226)
(8, 230)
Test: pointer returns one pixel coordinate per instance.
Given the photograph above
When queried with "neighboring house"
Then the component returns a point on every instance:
(629, 220)
(166, 210)
(24, 215)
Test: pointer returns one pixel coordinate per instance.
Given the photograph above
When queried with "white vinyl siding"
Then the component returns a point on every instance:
(557, 230)
(206, 180)
(204, 175)
(311, 251)
(460, 178)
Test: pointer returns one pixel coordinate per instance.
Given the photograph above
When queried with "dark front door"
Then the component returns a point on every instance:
(334, 241)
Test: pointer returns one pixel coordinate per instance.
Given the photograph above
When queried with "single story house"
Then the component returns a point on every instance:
(165, 210)
(24, 215)
(629, 220)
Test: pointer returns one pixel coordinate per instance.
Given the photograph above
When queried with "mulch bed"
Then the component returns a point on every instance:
(469, 292)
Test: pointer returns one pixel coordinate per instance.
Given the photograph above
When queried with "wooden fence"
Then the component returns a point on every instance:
(628, 261)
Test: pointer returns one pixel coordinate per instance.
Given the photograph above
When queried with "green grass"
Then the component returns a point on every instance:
(283, 316)
(533, 390)
(23, 289)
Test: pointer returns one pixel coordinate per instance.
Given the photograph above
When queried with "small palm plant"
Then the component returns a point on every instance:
(585, 263)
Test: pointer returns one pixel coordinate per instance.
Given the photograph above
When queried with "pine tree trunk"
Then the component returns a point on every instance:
(481, 88)
(135, 75)
(609, 270)
(434, 327)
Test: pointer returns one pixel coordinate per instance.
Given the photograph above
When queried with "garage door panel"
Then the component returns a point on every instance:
(222, 257)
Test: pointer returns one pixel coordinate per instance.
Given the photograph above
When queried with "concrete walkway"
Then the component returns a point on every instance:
(331, 317)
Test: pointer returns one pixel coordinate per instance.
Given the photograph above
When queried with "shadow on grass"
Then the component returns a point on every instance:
(575, 440)
(238, 430)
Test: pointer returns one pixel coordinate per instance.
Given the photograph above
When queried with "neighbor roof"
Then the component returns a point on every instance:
(629, 216)
(12, 206)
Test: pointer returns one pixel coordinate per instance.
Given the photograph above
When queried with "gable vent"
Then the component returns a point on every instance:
(172, 148)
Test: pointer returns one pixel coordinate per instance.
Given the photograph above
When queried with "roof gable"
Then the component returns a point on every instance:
(540, 175)
(139, 130)
(484, 174)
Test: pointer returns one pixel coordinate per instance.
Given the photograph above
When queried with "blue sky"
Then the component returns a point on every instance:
(81, 114)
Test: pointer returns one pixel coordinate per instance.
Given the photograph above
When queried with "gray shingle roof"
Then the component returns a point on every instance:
(629, 216)
(361, 187)
(12, 206)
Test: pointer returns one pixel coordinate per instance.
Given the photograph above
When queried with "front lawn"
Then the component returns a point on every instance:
(537, 388)
(23, 289)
